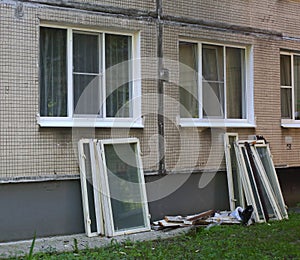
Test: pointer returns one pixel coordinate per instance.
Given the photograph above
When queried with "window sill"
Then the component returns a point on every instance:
(90, 122)
(184, 122)
(286, 123)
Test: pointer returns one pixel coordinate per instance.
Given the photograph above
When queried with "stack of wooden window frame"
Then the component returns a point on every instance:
(252, 178)
(113, 187)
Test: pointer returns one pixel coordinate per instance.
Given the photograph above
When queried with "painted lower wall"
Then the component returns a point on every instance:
(54, 207)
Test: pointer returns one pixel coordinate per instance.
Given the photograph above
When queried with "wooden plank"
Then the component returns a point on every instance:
(204, 214)
(164, 223)
(177, 219)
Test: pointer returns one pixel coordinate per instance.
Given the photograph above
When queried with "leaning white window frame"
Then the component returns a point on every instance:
(263, 151)
(274, 204)
(110, 228)
(95, 121)
(249, 95)
(235, 189)
(270, 195)
(291, 123)
(90, 188)
(249, 185)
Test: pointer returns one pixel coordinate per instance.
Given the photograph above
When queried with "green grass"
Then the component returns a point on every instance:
(276, 240)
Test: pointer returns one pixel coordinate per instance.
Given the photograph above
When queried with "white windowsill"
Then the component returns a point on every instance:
(90, 122)
(289, 123)
(184, 122)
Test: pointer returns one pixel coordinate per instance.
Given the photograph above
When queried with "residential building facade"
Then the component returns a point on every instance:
(175, 74)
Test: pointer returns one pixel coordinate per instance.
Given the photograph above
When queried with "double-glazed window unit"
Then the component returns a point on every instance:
(216, 86)
(113, 187)
(290, 89)
(88, 75)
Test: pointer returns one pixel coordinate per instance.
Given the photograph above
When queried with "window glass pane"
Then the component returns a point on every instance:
(86, 94)
(118, 75)
(235, 83)
(85, 53)
(188, 78)
(86, 83)
(286, 102)
(212, 63)
(53, 72)
(212, 81)
(285, 70)
(213, 99)
(297, 86)
(122, 170)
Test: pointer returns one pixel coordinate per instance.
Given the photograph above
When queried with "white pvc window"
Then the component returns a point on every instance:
(88, 75)
(91, 193)
(125, 205)
(235, 190)
(264, 153)
(216, 85)
(290, 89)
(259, 180)
(249, 184)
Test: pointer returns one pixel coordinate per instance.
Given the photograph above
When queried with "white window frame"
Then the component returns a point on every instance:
(246, 181)
(95, 120)
(272, 178)
(231, 192)
(96, 188)
(104, 185)
(266, 184)
(266, 176)
(290, 123)
(249, 121)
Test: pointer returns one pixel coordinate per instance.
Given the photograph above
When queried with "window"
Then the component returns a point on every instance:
(113, 187)
(215, 85)
(88, 74)
(122, 181)
(290, 89)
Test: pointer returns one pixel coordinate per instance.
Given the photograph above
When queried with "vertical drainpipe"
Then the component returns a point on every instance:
(160, 90)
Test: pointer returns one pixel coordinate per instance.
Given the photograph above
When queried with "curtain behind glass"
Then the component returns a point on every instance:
(285, 70)
(235, 83)
(118, 79)
(213, 81)
(286, 86)
(86, 81)
(188, 78)
(53, 72)
(297, 86)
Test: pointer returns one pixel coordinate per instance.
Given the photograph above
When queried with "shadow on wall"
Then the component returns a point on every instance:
(289, 180)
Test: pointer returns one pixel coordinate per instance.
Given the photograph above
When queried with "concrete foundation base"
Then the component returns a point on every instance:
(52, 208)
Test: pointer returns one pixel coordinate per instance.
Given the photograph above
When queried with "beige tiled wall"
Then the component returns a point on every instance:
(277, 15)
(148, 5)
(29, 150)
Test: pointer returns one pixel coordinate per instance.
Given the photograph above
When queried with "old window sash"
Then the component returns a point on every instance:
(269, 196)
(273, 206)
(264, 153)
(235, 190)
(119, 192)
(91, 195)
(249, 185)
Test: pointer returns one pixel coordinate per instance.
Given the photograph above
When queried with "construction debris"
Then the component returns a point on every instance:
(203, 219)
